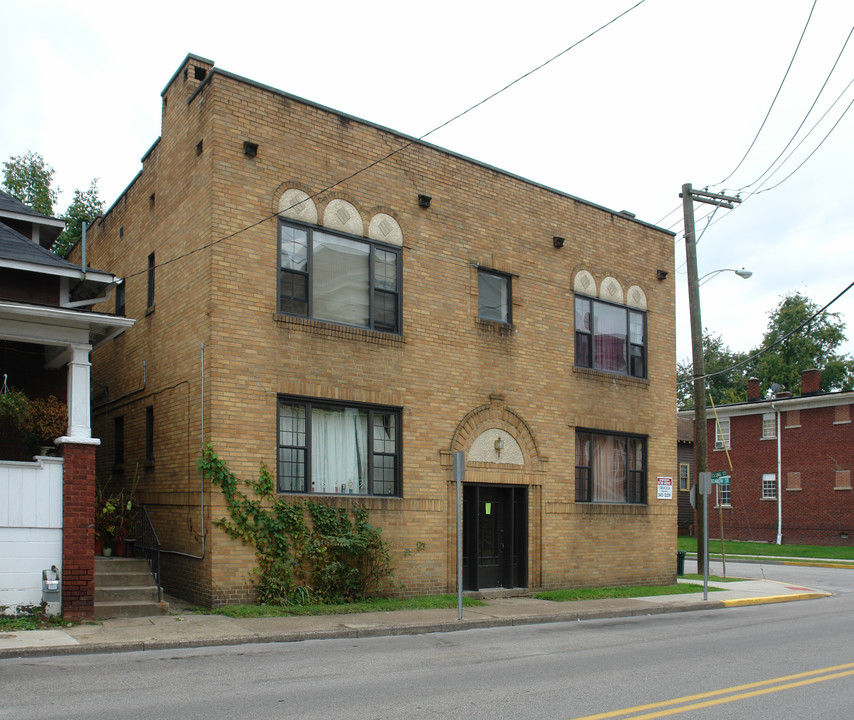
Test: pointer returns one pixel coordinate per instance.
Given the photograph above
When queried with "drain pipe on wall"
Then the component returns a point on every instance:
(202, 488)
(779, 480)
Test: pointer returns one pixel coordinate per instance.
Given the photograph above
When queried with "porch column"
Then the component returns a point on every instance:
(79, 370)
(78, 492)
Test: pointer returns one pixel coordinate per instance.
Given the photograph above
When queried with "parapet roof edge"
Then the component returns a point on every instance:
(413, 140)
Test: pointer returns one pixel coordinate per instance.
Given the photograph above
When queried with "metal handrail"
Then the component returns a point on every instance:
(147, 544)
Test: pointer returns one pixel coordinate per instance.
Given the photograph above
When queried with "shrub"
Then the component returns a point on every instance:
(306, 550)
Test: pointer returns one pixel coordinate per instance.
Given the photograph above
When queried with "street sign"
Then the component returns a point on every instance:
(719, 478)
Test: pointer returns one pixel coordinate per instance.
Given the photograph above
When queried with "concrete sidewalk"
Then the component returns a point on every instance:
(190, 630)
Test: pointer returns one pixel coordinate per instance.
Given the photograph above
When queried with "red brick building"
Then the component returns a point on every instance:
(790, 460)
(350, 306)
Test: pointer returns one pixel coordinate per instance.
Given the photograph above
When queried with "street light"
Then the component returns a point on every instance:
(741, 273)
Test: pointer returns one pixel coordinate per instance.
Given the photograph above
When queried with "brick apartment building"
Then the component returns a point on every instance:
(353, 334)
(790, 460)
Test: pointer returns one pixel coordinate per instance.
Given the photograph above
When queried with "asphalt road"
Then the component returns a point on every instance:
(791, 660)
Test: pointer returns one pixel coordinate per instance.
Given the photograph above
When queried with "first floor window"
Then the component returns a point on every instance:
(338, 279)
(338, 449)
(149, 433)
(609, 468)
(610, 337)
(493, 296)
(119, 440)
(684, 473)
(724, 495)
(769, 486)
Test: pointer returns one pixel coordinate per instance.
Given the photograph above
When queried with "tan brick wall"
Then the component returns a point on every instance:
(446, 365)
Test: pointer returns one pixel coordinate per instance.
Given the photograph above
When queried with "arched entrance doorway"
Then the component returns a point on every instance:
(501, 497)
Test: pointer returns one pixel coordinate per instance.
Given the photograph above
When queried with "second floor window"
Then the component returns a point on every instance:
(493, 296)
(722, 434)
(338, 279)
(769, 425)
(610, 337)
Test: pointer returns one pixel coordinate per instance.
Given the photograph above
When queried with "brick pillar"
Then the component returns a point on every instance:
(78, 534)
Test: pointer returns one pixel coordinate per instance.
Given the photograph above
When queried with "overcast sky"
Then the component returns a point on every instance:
(672, 92)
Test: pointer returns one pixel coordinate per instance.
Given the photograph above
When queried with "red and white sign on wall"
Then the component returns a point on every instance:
(665, 488)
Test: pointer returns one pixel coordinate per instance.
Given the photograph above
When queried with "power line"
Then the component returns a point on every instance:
(772, 345)
(774, 101)
(803, 121)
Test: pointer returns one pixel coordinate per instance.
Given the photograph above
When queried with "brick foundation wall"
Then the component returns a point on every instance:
(78, 511)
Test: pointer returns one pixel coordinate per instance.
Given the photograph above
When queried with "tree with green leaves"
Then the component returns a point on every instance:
(84, 208)
(788, 352)
(784, 354)
(28, 178)
(728, 381)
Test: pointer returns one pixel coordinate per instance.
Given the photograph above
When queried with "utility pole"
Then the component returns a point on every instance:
(701, 446)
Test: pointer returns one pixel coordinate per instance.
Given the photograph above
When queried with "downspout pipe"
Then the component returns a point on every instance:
(202, 488)
(776, 409)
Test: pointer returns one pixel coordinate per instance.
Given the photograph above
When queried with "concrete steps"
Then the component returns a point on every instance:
(124, 588)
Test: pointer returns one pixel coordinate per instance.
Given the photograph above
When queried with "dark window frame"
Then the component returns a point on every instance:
(507, 278)
(119, 440)
(635, 480)
(296, 296)
(636, 355)
(149, 434)
(120, 298)
(301, 453)
(151, 266)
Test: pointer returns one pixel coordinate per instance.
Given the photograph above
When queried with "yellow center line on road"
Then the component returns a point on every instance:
(755, 689)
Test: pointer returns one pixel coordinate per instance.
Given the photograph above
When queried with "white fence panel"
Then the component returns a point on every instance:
(30, 529)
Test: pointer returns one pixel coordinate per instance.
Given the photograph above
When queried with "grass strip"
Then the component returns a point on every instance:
(426, 602)
(742, 547)
(607, 593)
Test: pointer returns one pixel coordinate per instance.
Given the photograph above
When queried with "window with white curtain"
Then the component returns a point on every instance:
(330, 277)
(339, 450)
(609, 468)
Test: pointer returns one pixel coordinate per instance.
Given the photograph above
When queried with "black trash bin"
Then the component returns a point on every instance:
(680, 562)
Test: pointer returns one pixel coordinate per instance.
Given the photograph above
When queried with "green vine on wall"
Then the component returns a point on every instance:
(306, 550)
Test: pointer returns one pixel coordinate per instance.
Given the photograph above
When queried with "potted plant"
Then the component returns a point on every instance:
(14, 407)
(46, 421)
(115, 516)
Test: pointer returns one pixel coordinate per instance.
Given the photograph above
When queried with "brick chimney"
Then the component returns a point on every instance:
(811, 382)
(753, 390)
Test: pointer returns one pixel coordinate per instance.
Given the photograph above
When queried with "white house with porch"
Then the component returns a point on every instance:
(47, 332)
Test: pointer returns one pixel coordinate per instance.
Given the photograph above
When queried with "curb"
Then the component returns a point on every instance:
(742, 602)
(361, 632)
(367, 631)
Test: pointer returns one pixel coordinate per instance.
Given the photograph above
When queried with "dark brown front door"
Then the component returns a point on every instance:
(495, 536)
